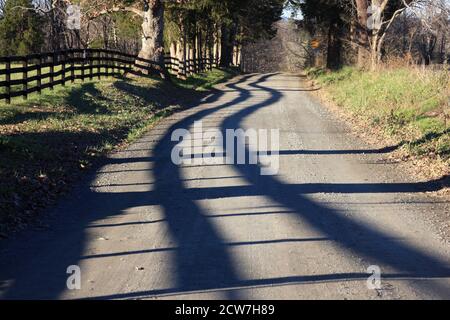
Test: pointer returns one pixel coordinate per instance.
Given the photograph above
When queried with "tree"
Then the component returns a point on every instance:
(151, 13)
(433, 37)
(327, 19)
(386, 12)
(20, 30)
(365, 23)
(210, 28)
(248, 21)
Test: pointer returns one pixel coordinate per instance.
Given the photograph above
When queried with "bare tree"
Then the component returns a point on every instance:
(387, 12)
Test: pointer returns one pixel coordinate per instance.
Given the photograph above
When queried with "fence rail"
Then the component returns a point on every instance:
(23, 75)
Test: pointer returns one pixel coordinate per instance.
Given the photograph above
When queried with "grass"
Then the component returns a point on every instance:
(206, 80)
(410, 105)
(44, 71)
(49, 140)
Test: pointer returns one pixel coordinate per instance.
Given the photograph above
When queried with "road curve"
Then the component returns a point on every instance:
(143, 227)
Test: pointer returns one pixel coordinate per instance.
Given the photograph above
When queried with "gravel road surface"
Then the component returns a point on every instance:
(143, 227)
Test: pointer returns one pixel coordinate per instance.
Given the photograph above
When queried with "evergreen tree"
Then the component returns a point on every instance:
(20, 29)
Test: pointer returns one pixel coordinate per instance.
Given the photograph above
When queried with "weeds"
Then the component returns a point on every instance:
(410, 104)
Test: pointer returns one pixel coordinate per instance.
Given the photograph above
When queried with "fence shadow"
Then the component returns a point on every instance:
(202, 260)
(82, 99)
(358, 238)
(43, 276)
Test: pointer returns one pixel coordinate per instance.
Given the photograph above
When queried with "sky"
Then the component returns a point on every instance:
(287, 14)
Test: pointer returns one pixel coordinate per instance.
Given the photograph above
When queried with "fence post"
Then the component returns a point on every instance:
(72, 66)
(63, 67)
(181, 69)
(8, 80)
(25, 78)
(113, 64)
(107, 63)
(99, 64)
(82, 65)
(52, 70)
(39, 74)
(91, 68)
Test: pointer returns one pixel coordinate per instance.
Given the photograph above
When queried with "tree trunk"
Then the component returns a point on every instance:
(181, 56)
(195, 51)
(375, 54)
(226, 47)
(362, 38)
(217, 47)
(334, 44)
(152, 36)
(191, 52)
(200, 49)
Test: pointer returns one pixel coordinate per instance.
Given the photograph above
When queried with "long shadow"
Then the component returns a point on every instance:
(202, 261)
(205, 247)
(81, 100)
(210, 193)
(37, 265)
(356, 237)
(426, 138)
(16, 118)
(376, 246)
(281, 152)
(286, 90)
(162, 94)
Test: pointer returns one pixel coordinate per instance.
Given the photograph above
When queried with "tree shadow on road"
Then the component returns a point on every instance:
(202, 259)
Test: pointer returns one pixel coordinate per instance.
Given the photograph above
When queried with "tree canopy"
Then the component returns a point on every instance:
(20, 30)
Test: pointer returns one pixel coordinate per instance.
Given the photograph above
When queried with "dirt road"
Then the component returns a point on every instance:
(144, 227)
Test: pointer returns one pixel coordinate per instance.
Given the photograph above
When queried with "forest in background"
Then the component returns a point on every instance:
(185, 29)
(339, 32)
(368, 33)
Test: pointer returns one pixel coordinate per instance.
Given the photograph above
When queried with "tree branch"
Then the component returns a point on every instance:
(117, 9)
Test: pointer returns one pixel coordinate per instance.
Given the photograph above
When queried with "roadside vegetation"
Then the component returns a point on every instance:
(49, 140)
(411, 105)
(207, 80)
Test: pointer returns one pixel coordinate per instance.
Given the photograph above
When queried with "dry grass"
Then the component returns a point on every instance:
(408, 105)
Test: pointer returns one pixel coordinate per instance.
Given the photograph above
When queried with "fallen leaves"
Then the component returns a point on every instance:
(45, 149)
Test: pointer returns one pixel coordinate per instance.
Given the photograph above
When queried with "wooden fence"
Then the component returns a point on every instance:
(23, 75)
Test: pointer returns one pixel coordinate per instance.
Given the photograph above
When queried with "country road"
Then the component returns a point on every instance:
(143, 227)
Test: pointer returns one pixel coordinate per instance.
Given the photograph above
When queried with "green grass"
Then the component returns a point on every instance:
(206, 80)
(49, 140)
(44, 71)
(409, 104)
